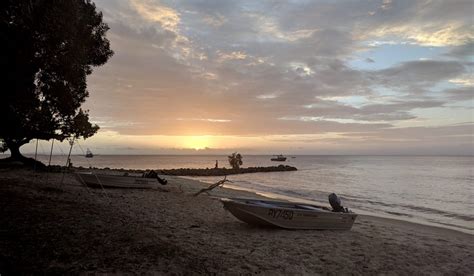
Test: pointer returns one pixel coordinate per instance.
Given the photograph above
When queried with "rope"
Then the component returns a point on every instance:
(71, 142)
(90, 166)
(36, 154)
(49, 163)
(51, 153)
(83, 183)
(100, 183)
(84, 153)
(61, 149)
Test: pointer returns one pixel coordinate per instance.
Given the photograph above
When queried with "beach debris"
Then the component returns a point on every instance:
(153, 174)
(215, 185)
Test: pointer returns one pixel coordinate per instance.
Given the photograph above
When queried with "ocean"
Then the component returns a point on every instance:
(434, 190)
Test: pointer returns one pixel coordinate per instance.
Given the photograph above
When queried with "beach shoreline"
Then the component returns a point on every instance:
(73, 229)
(361, 213)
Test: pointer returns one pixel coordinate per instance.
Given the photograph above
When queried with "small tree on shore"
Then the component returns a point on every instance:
(48, 48)
(235, 160)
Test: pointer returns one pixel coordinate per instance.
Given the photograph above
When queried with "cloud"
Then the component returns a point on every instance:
(155, 12)
(454, 34)
(269, 29)
(239, 67)
(235, 55)
(427, 134)
(147, 34)
(215, 20)
(420, 72)
(460, 94)
(467, 81)
(462, 51)
(427, 23)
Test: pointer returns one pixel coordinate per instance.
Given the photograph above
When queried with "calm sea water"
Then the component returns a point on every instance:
(434, 190)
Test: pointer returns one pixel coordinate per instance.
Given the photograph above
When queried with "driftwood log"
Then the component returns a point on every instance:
(215, 185)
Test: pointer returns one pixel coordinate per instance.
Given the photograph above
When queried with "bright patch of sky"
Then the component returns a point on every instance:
(442, 86)
(384, 92)
(387, 55)
(355, 101)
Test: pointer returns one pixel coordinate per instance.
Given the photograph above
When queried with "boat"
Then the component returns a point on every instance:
(288, 215)
(116, 181)
(278, 158)
(89, 154)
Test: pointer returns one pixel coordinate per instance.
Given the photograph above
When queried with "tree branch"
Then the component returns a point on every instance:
(215, 185)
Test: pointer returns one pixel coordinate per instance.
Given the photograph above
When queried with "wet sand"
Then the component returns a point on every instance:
(49, 228)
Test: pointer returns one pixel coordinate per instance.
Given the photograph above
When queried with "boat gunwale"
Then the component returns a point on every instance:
(151, 183)
(320, 209)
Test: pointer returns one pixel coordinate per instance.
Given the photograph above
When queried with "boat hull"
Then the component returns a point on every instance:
(113, 181)
(288, 215)
(278, 159)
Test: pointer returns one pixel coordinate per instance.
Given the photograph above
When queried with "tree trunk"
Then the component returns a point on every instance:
(15, 155)
(15, 151)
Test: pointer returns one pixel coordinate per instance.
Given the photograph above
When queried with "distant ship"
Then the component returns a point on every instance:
(278, 158)
(89, 154)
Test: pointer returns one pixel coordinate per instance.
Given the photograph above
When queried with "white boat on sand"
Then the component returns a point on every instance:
(288, 215)
(116, 181)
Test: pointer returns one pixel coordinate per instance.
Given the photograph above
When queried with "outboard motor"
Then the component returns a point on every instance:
(335, 203)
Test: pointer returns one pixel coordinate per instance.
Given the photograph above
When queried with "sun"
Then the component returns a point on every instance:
(196, 142)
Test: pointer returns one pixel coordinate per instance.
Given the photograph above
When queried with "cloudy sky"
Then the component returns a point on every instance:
(297, 77)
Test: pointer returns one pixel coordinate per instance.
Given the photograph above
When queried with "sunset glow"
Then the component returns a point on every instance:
(378, 77)
(197, 142)
(237, 137)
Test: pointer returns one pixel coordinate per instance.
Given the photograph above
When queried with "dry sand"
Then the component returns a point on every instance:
(73, 229)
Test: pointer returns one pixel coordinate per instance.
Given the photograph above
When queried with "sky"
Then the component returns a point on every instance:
(291, 77)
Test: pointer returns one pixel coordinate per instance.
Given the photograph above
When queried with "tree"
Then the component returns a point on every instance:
(3, 146)
(235, 160)
(48, 48)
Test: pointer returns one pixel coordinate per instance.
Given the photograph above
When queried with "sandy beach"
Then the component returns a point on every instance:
(49, 228)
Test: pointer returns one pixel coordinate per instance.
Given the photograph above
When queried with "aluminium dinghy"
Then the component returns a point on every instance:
(290, 215)
(118, 181)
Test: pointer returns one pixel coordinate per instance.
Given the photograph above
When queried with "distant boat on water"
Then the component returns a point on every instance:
(89, 154)
(279, 157)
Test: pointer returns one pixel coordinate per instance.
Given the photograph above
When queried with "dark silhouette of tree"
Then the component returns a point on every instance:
(235, 160)
(48, 48)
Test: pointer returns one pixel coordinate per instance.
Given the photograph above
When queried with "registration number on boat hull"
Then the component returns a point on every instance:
(280, 214)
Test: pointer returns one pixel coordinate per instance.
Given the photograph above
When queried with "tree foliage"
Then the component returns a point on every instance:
(3, 146)
(48, 48)
(235, 160)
